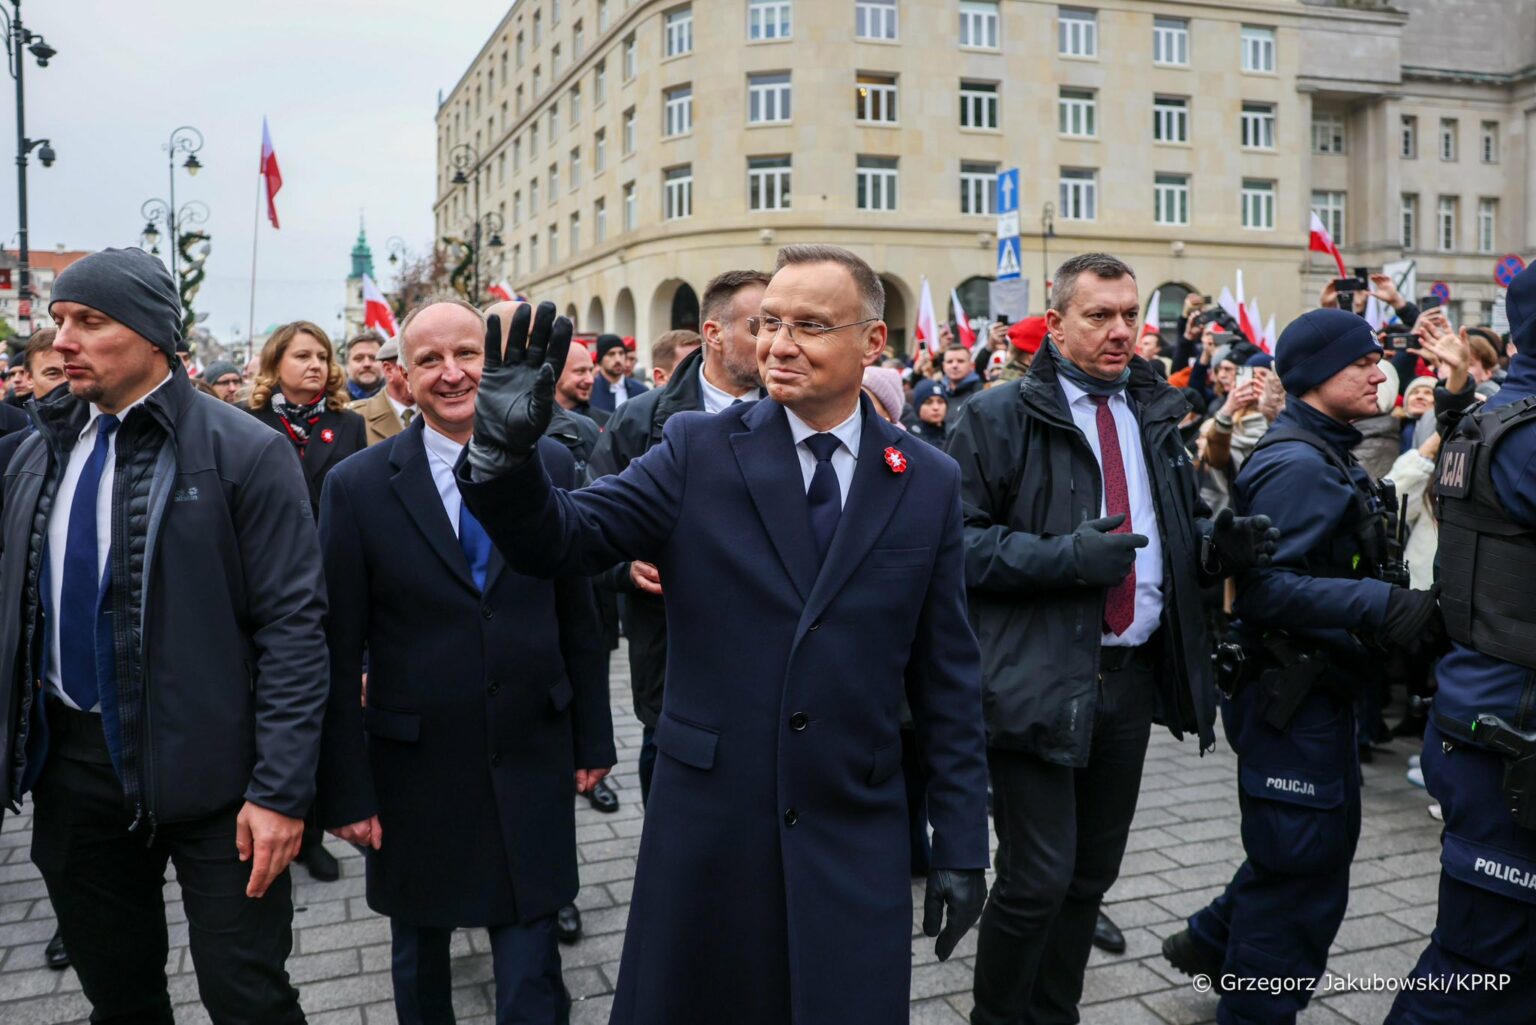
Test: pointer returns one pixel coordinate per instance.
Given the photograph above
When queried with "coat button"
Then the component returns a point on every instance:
(492, 687)
(816, 625)
(791, 817)
(486, 611)
(799, 721)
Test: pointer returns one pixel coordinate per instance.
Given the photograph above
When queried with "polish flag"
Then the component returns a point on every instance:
(269, 171)
(1151, 325)
(1319, 241)
(1246, 317)
(927, 323)
(501, 290)
(1227, 303)
(376, 311)
(962, 322)
(1269, 335)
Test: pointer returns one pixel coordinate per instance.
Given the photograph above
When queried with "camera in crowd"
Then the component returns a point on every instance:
(1214, 314)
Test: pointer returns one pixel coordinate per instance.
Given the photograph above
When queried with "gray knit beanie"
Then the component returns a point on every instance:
(131, 287)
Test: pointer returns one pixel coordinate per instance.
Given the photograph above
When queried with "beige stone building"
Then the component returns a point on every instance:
(624, 151)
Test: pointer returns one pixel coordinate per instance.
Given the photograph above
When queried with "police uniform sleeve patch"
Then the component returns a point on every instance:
(1453, 477)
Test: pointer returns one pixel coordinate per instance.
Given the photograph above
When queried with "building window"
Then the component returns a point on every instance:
(517, 261)
(1488, 145)
(1410, 148)
(1079, 195)
(630, 207)
(1487, 216)
(1170, 199)
(519, 49)
(554, 14)
(1329, 207)
(578, 43)
(600, 151)
(1447, 138)
(677, 192)
(978, 188)
(1170, 119)
(877, 183)
(768, 183)
(1076, 111)
(538, 82)
(519, 101)
(599, 83)
(1258, 48)
(1328, 134)
(517, 209)
(1170, 41)
(554, 63)
(599, 221)
(875, 99)
(978, 105)
(554, 243)
(554, 118)
(575, 105)
(678, 111)
(875, 19)
(978, 24)
(1077, 33)
(1408, 226)
(1258, 205)
(630, 48)
(533, 253)
(575, 233)
(768, 99)
(554, 183)
(1258, 126)
(602, 16)
(679, 31)
(768, 19)
(629, 131)
(1445, 227)
(533, 141)
(538, 29)
(533, 196)
(575, 168)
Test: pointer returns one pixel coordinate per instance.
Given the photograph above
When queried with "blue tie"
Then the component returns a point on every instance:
(476, 544)
(80, 594)
(824, 496)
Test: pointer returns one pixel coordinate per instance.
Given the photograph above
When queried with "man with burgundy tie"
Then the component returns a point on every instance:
(1086, 549)
(811, 557)
(487, 699)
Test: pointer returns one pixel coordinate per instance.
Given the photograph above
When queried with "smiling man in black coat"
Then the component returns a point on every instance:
(486, 704)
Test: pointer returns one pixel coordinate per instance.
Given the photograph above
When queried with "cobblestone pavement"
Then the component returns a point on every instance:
(1183, 848)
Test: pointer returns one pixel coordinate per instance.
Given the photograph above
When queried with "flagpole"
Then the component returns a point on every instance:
(250, 330)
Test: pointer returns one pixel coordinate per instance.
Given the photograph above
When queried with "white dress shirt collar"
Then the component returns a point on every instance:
(442, 456)
(716, 399)
(849, 432)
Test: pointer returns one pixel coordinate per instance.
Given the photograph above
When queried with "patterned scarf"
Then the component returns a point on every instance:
(1084, 380)
(298, 419)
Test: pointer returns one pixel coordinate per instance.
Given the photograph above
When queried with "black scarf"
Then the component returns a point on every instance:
(1084, 380)
(296, 418)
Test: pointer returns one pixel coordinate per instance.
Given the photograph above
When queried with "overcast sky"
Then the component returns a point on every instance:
(350, 90)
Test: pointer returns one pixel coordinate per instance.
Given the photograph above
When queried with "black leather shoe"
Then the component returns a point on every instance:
(1192, 957)
(603, 798)
(322, 867)
(568, 924)
(54, 954)
(1107, 935)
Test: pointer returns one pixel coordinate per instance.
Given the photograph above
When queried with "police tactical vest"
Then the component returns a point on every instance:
(1487, 561)
(1365, 525)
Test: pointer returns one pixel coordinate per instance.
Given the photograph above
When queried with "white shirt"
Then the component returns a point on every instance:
(400, 408)
(844, 460)
(442, 456)
(1149, 560)
(621, 390)
(58, 529)
(715, 400)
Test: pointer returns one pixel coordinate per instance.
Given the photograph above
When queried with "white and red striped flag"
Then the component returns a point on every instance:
(962, 322)
(269, 171)
(376, 311)
(501, 290)
(927, 322)
(1319, 241)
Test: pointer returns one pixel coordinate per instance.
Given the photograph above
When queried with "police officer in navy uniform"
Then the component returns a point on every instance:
(1303, 626)
(1486, 493)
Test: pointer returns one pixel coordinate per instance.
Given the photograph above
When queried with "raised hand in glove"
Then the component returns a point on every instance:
(1239, 542)
(1104, 557)
(517, 388)
(964, 893)
(1413, 617)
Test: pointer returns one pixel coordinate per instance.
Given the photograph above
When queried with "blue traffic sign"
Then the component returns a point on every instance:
(1009, 257)
(1008, 191)
(1508, 266)
(1440, 290)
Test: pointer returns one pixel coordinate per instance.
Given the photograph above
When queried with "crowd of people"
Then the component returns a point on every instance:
(870, 599)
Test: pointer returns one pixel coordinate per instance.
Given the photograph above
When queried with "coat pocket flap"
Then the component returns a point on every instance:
(1293, 786)
(389, 724)
(561, 693)
(898, 558)
(687, 743)
(884, 763)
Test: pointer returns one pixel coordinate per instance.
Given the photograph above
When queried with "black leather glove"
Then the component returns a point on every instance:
(1240, 542)
(964, 892)
(517, 388)
(1413, 617)
(1104, 559)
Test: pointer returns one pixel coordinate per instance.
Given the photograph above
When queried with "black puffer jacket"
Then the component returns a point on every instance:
(217, 604)
(1027, 479)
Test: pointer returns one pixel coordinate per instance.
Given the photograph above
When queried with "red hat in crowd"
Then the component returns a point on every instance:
(1027, 335)
(629, 342)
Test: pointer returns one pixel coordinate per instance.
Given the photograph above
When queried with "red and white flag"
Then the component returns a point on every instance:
(501, 290)
(962, 322)
(1319, 241)
(269, 171)
(376, 311)
(927, 323)
(1269, 334)
(1151, 325)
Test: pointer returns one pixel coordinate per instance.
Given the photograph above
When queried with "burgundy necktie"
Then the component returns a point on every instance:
(1120, 600)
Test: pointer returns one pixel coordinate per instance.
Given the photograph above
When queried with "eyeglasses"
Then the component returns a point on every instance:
(771, 326)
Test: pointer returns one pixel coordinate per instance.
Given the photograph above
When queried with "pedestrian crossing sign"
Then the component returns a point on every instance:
(1008, 259)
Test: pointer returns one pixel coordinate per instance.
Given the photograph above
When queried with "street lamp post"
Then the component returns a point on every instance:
(188, 140)
(488, 227)
(1047, 231)
(18, 38)
(464, 158)
(155, 210)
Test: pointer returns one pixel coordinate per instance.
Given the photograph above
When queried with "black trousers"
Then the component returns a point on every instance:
(525, 959)
(105, 885)
(1061, 833)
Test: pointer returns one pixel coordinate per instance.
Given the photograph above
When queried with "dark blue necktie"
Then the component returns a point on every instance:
(824, 496)
(80, 592)
(476, 544)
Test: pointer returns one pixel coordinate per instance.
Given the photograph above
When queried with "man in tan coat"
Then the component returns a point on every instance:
(391, 408)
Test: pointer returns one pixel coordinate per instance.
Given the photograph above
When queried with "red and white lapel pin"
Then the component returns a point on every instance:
(327, 435)
(895, 460)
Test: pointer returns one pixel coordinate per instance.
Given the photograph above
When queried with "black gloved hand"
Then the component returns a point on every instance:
(517, 389)
(1104, 559)
(1240, 542)
(964, 892)
(1413, 617)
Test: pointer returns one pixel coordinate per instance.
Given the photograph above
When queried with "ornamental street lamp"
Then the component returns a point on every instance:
(188, 140)
(17, 39)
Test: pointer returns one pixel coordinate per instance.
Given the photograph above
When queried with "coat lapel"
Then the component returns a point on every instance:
(418, 493)
(771, 469)
(319, 454)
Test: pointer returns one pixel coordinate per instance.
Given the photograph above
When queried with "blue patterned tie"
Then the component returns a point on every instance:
(824, 495)
(476, 544)
(80, 592)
